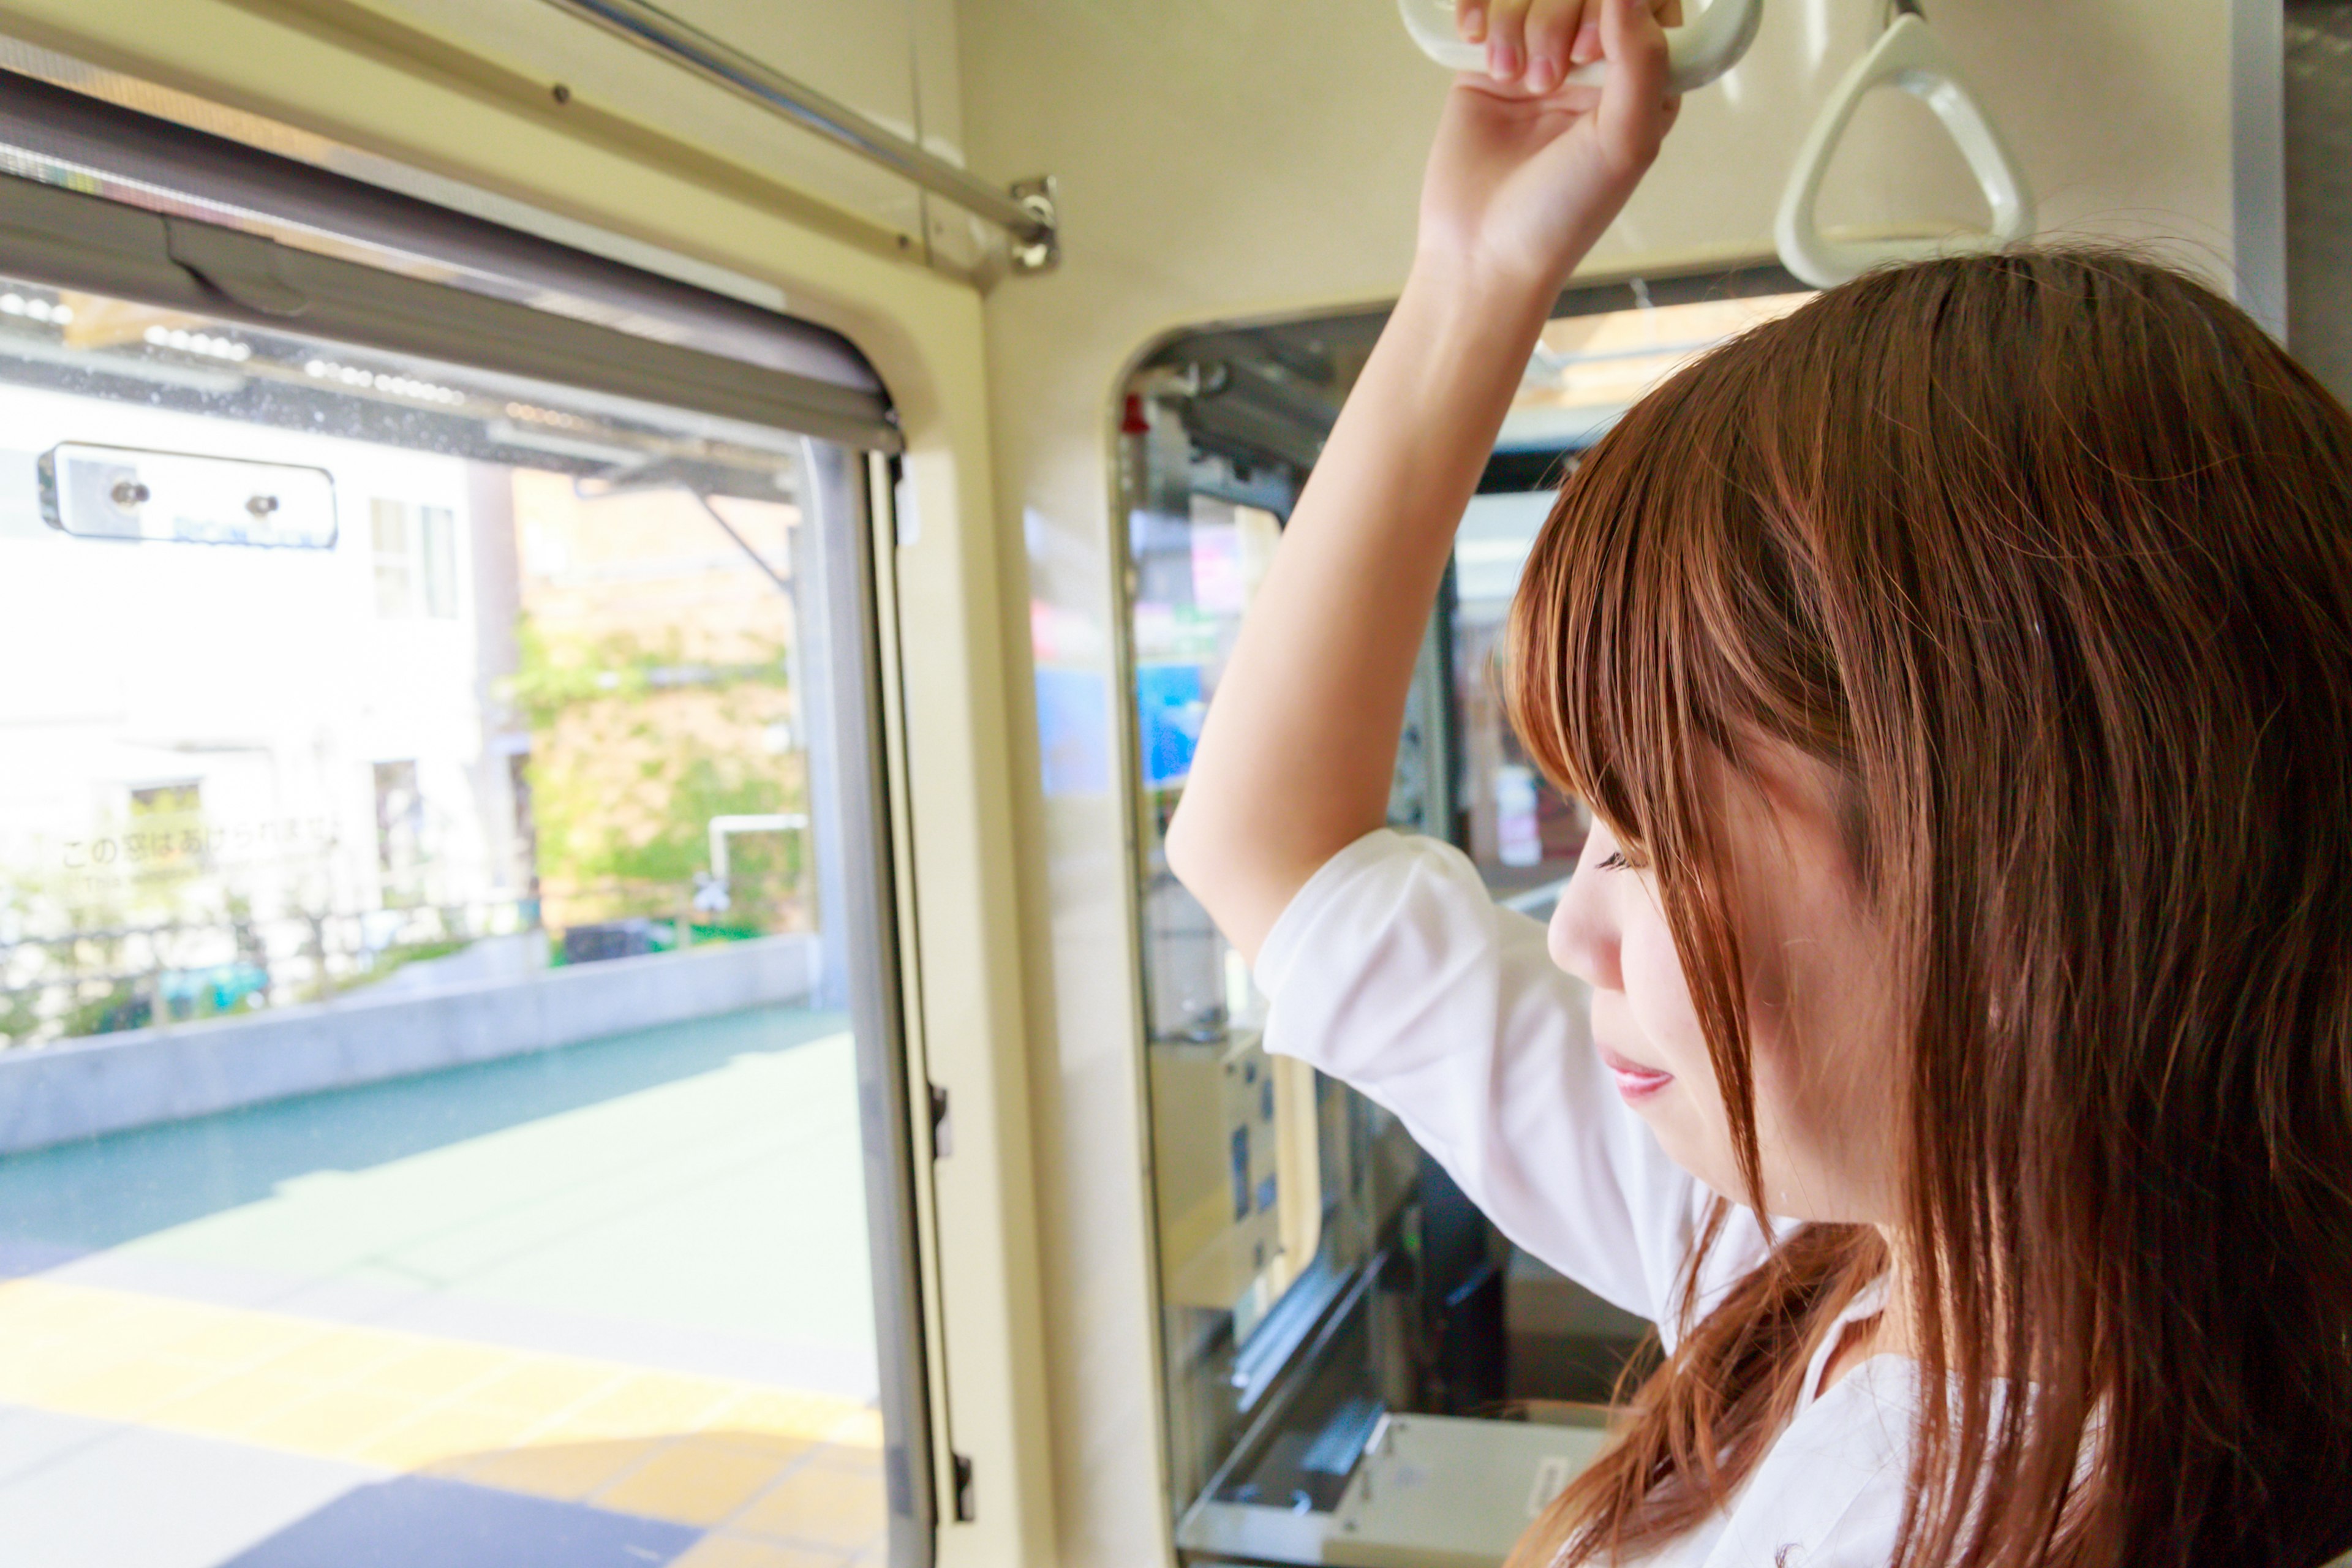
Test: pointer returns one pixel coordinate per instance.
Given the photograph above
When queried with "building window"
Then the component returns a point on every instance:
(399, 834)
(416, 561)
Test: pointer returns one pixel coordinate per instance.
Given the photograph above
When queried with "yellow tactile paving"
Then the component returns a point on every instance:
(856, 1458)
(818, 1507)
(861, 1428)
(333, 1360)
(787, 1413)
(437, 1371)
(130, 1388)
(691, 1483)
(779, 1451)
(546, 1384)
(781, 1478)
(242, 1342)
(741, 1552)
(648, 1403)
(565, 1472)
(29, 1375)
(335, 1425)
(446, 1433)
(228, 1407)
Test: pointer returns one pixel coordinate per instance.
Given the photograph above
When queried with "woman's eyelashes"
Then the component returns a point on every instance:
(1614, 862)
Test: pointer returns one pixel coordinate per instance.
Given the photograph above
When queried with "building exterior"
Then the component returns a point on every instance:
(485, 727)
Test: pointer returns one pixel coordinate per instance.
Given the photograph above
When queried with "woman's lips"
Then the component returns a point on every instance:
(1635, 1082)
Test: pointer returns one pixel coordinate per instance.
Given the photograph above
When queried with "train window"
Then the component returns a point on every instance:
(445, 921)
(1359, 1370)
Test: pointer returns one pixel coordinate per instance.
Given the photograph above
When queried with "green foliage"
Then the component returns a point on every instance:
(634, 751)
(20, 1014)
(697, 787)
(554, 675)
(387, 962)
(121, 1007)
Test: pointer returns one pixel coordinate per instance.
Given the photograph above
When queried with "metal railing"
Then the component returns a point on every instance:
(1025, 210)
(66, 985)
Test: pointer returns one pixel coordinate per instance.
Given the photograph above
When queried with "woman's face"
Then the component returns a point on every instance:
(1828, 1082)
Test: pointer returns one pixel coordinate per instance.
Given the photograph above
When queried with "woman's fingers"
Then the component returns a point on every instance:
(1535, 44)
(1635, 108)
(1588, 36)
(1588, 47)
(1553, 28)
(1506, 39)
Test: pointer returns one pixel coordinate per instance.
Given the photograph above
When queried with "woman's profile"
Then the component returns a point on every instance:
(1946, 1038)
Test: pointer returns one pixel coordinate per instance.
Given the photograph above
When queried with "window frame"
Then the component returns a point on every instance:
(835, 426)
(65, 238)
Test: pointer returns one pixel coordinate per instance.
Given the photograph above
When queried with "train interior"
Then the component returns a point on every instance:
(608, 606)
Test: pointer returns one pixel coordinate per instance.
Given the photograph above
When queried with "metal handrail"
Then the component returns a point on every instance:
(1025, 210)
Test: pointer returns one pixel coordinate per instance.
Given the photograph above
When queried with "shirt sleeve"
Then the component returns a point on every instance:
(1394, 970)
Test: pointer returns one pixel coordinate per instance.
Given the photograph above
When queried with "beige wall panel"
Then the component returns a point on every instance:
(1223, 158)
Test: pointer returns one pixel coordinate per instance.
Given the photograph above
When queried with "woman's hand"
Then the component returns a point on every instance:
(1526, 172)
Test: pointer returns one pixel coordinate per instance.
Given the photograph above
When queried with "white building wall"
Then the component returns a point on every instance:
(267, 678)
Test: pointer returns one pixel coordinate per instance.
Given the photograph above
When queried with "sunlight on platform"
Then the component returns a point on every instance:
(577, 1309)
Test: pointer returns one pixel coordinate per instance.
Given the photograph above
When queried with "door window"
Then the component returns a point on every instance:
(1341, 1325)
(437, 951)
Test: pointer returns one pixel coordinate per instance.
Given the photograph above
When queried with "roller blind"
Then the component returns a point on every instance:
(96, 195)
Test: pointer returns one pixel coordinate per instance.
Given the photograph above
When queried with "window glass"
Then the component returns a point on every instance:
(1320, 1277)
(428, 1129)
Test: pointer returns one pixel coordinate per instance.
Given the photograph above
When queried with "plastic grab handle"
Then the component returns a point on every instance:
(1907, 56)
(1697, 52)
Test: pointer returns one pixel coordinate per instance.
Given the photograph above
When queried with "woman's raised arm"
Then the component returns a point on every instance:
(1300, 741)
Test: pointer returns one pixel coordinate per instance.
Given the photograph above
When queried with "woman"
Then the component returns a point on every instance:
(1943, 1038)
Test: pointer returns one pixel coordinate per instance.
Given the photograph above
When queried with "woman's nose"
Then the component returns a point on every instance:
(1583, 936)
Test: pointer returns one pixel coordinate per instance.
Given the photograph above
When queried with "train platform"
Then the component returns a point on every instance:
(602, 1305)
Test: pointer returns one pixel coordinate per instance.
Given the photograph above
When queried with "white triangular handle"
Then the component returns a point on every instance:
(1907, 56)
(1697, 52)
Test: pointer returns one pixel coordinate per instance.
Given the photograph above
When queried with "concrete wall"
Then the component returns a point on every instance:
(105, 1083)
(1239, 158)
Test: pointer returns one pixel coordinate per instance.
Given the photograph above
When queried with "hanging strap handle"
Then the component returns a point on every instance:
(1908, 56)
(1696, 53)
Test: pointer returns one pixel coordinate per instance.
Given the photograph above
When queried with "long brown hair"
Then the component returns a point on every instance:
(2049, 556)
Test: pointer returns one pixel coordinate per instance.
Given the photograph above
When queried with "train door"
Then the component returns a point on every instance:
(454, 1105)
(1356, 1367)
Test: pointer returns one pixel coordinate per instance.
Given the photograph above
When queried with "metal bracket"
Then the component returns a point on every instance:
(942, 1128)
(964, 1512)
(241, 267)
(1043, 252)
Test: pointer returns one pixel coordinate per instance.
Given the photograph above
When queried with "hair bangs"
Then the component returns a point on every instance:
(1629, 669)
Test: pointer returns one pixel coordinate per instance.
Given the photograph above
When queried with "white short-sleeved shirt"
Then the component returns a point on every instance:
(1394, 970)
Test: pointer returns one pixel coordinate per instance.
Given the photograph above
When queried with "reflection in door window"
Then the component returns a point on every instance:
(422, 1143)
(1327, 1292)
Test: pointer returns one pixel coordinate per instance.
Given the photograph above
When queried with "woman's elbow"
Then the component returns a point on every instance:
(1189, 860)
(1240, 882)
